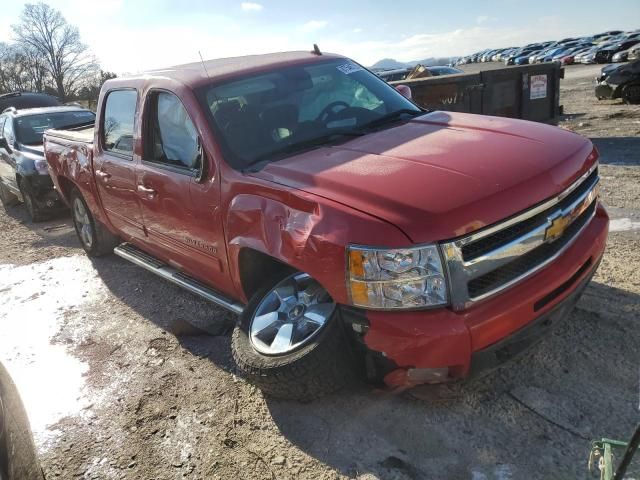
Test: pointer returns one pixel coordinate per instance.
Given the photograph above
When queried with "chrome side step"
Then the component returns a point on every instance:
(148, 262)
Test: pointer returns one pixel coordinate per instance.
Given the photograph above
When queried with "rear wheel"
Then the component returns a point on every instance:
(28, 195)
(631, 94)
(94, 237)
(7, 198)
(291, 343)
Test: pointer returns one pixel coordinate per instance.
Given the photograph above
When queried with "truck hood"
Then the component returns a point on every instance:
(443, 174)
(34, 150)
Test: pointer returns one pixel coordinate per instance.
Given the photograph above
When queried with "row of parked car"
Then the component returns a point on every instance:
(605, 47)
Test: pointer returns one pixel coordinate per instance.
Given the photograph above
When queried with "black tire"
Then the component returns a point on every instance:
(631, 94)
(35, 212)
(103, 241)
(7, 198)
(325, 365)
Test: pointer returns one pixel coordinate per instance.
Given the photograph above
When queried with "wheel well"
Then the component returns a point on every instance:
(66, 187)
(257, 268)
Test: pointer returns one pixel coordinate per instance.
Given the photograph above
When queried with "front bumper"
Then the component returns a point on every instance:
(445, 345)
(604, 90)
(509, 348)
(46, 196)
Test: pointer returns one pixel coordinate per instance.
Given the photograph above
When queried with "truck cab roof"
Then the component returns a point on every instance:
(200, 73)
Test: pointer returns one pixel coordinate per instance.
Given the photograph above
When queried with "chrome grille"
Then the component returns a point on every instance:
(491, 242)
(497, 257)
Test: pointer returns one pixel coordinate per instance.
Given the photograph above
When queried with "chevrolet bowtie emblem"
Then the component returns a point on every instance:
(557, 227)
(562, 219)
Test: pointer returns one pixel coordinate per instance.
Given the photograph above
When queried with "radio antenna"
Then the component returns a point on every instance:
(203, 65)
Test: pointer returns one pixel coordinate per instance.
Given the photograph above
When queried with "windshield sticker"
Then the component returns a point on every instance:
(349, 68)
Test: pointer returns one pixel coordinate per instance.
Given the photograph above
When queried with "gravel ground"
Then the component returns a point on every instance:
(126, 376)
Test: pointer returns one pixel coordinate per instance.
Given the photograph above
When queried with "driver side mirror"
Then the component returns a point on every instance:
(404, 90)
(4, 144)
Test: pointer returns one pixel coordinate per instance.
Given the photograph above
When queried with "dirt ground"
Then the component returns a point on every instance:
(126, 376)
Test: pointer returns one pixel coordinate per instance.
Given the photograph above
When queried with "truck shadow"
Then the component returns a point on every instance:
(618, 150)
(551, 401)
(193, 321)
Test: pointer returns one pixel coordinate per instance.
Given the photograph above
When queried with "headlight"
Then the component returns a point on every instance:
(41, 166)
(396, 279)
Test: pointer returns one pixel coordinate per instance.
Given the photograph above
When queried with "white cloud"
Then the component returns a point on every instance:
(75, 11)
(448, 44)
(482, 19)
(251, 7)
(157, 48)
(313, 26)
(357, 30)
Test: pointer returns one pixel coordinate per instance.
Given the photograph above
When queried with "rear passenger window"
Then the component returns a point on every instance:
(172, 137)
(118, 120)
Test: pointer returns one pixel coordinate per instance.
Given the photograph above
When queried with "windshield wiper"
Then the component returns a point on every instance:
(305, 145)
(390, 117)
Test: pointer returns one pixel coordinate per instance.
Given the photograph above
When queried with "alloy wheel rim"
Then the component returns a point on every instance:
(83, 224)
(290, 315)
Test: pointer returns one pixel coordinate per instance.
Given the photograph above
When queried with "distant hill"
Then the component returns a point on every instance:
(390, 63)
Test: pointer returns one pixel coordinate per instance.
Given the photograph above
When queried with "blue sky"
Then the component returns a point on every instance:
(134, 35)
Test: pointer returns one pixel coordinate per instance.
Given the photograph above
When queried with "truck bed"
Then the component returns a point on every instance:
(81, 134)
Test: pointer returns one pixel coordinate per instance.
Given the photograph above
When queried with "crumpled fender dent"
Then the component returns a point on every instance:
(74, 163)
(291, 233)
(303, 231)
(272, 227)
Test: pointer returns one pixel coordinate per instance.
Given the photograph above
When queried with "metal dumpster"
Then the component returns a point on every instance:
(530, 92)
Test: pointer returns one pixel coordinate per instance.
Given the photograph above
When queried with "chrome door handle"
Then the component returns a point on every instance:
(147, 191)
(103, 175)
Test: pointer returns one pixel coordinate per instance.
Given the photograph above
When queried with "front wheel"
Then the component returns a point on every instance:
(94, 237)
(33, 209)
(291, 343)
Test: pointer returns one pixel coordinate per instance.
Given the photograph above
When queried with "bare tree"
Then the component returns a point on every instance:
(45, 33)
(35, 64)
(15, 71)
(90, 90)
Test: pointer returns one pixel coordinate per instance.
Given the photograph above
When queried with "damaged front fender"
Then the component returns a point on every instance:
(307, 233)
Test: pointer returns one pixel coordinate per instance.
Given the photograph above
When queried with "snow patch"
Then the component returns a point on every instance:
(623, 225)
(34, 301)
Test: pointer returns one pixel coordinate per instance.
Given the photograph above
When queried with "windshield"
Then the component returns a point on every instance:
(267, 116)
(29, 128)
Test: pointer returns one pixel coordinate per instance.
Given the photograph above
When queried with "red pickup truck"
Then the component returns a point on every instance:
(355, 233)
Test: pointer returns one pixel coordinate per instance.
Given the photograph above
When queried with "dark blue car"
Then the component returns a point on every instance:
(24, 174)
